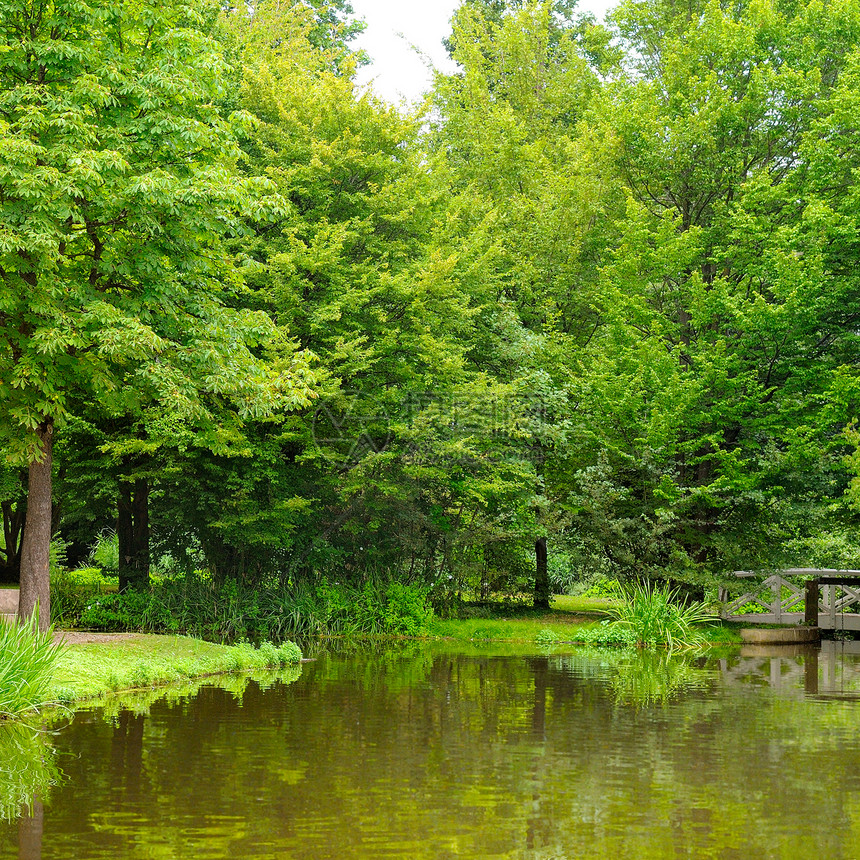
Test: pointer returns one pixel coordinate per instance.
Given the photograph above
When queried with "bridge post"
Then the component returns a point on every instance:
(776, 606)
(810, 603)
(831, 599)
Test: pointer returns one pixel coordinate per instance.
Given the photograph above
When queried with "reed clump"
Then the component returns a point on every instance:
(656, 617)
(28, 658)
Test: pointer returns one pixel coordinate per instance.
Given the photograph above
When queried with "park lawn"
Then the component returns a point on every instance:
(93, 665)
(580, 604)
(570, 620)
(510, 629)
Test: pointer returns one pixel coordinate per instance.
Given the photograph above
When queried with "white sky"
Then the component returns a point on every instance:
(395, 26)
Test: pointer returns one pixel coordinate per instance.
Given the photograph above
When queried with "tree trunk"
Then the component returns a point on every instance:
(36, 543)
(541, 598)
(133, 534)
(125, 535)
(140, 506)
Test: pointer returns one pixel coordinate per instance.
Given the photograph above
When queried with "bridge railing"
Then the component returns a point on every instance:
(784, 598)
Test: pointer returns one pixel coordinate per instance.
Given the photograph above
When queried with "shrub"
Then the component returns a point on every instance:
(603, 587)
(606, 633)
(72, 592)
(269, 655)
(546, 637)
(289, 654)
(105, 554)
(233, 611)
(117, 612)
(406, 609)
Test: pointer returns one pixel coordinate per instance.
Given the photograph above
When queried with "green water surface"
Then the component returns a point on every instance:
(421, 752)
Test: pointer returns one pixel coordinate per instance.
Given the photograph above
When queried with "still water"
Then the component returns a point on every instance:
(419, 752)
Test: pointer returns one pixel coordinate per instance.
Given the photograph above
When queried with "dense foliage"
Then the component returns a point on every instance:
(593, 313)
(231, 611)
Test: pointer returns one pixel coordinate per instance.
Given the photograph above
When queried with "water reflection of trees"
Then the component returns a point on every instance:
(31, 826)
(579, 755)
(28, 759)
(27, 775)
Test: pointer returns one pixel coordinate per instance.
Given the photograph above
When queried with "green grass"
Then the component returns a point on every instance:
(656, 618)
(582, 604)
(27, 661)
(91, 670)
(574, 620)
(511, 629)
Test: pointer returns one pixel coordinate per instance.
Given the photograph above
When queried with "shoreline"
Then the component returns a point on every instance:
(94, 665)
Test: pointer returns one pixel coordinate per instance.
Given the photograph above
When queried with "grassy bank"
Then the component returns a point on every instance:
(92, 666)
(91, 669)
(569, 621)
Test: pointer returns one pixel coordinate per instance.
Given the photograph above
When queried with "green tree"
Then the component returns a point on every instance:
(392, 470)
(116, 184)
(534, 190)
(730, 303)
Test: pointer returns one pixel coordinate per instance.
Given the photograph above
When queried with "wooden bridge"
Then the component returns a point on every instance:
(818, 597)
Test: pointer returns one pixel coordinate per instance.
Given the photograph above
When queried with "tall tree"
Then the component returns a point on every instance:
(730, 301)
(351, 269)
(116, 186)
(534, 189)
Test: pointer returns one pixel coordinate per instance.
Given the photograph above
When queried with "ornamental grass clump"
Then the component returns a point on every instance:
(27, 661)
(657, 618)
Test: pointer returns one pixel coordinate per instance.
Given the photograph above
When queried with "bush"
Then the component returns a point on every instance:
(73, 591)
(606, 633)
(128, 610)
(374, 608)
(406, 610)
(232, 611)
(288, 654)
(603, 587)
(105, 554)
(547, 637)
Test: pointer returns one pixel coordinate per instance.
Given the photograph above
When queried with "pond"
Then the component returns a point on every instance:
(424, 752)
